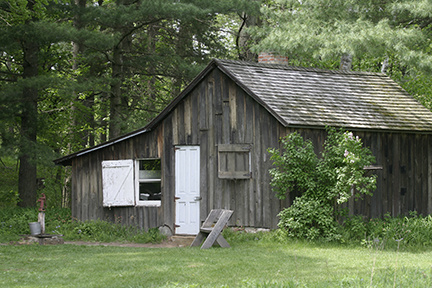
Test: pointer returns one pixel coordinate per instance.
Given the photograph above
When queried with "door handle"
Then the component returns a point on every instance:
(198, 198)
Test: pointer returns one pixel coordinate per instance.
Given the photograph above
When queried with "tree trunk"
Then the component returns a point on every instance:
(81, 118)
(244, 41)
(29, 114)
(119, 99)
(115, 99)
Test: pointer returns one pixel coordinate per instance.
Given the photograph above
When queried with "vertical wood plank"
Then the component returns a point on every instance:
(396, 176)
(168, 176)
(203, 107)
(416, 173)
(204, 175)
(256, 166)
(423, 181)
(175, 124)
(240, 115)
(233, 111)
(187, 120)
(265, 142)
(181, 120)
(226, 127)
(194, 118)
(429, 175)
(404, 168)
(212, 153)
(93, 201)
(75, 189)
(216, 77)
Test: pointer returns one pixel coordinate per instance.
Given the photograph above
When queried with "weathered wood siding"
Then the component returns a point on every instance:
(217, 111)
(404, 183)
(87, 182)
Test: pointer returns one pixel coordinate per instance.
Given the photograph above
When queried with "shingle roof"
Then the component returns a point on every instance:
(306, 97)
(314, 97)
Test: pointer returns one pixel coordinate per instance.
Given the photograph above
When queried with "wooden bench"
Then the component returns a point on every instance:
(212, 228)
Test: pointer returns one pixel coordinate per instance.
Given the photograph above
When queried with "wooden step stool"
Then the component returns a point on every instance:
(212, 228)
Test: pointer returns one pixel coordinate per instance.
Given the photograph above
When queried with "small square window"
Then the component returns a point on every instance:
(149, 192)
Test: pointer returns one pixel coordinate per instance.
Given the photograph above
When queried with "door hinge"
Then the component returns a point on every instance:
(248, 174)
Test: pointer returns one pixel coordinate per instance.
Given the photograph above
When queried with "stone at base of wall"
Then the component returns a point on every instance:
(165, 230)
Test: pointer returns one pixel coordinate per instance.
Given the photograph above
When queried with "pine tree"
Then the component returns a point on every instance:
(324, 30)
(27, 33)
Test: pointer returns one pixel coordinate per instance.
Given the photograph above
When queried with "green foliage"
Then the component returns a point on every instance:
(341, 167)
(116, 63)
(15, 221)
(411, 232)
(323, 182)
(325, 30)
(309, 219)
(9, 183)
(295, 166)
(104, 231)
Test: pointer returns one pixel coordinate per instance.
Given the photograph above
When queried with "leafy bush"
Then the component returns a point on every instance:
(323, 182)
(354, 228)
(310, 213)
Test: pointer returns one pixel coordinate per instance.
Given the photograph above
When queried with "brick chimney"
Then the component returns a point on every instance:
(270, 58)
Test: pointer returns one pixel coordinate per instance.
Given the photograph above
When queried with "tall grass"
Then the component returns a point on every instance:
(413, 232)
(15, 222)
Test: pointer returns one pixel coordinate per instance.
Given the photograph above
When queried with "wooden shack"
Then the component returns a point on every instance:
(208, 148)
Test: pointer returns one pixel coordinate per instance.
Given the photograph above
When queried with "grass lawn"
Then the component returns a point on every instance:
(246, 264)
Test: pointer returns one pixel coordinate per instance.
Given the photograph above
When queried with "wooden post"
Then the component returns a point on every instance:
(41, 220)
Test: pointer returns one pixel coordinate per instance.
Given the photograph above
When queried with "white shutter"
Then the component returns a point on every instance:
(118, 183)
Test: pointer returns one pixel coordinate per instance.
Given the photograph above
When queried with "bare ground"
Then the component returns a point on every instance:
(164, 244)
(172, 242)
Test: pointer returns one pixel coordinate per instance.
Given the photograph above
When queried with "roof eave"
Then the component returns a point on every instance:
(363, 129)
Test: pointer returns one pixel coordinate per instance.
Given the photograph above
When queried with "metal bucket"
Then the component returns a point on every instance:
(35, 228)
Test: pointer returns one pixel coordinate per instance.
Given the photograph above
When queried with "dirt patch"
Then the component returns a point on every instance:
(173, 242)
(165, 244)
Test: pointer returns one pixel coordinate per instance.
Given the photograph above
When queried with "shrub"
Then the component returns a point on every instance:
(310, 219)
(323, 183)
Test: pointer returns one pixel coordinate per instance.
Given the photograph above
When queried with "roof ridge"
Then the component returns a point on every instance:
(297, 68)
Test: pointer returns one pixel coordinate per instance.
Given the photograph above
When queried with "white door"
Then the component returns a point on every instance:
(187, 172)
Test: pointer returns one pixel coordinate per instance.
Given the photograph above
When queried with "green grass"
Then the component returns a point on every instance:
(15, 221)
(255, 263)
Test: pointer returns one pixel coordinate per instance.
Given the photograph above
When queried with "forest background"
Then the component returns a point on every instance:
(76, 73)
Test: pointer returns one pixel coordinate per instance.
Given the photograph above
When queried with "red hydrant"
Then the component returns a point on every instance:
(42, 201)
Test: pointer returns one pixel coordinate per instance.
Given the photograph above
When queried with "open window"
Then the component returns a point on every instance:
(131, 182)
(149, 182)
(234, 161)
